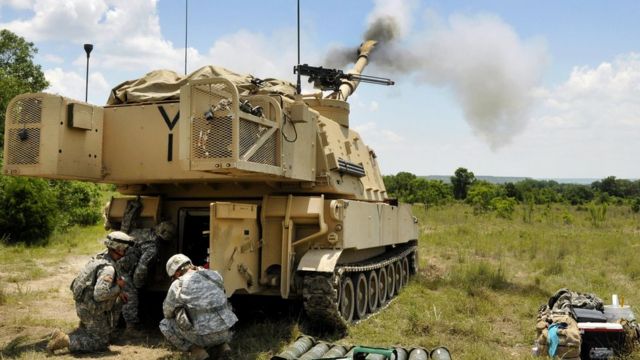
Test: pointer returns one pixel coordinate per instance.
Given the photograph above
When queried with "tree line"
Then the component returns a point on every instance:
(483, 195)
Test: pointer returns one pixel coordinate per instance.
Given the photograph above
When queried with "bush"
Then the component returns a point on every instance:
(635, 205)
(79, 203)
(28, 209)
(480, 195)
(504, 207)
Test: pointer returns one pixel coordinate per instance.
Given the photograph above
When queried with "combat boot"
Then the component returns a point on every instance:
(224, 352)
(59, 340)
(198, 353)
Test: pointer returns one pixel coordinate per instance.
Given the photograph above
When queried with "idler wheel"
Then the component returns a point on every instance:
(347, 299)
(362, 295)
(374, 291)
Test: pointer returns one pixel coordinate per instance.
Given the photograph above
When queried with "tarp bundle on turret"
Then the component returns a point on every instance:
(161, 85)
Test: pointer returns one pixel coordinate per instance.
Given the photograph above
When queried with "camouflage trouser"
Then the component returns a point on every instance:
(183, 340)
(130, 309)
(94, 333)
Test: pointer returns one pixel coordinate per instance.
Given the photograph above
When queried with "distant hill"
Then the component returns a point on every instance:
(513, 179)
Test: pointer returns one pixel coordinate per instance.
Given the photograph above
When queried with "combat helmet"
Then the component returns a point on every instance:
(118, 240)
(176, 262)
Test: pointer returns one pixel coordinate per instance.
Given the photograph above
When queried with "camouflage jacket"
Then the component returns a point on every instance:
(106, 287)
(202, 294)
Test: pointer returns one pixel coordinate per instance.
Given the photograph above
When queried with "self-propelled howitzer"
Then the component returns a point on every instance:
(271, 188)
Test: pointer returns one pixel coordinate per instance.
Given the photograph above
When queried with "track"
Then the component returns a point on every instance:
(355, 291)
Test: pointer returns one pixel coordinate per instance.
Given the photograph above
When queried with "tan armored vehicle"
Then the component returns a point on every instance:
(270, 188)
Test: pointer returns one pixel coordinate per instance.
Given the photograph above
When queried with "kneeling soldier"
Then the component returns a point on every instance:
(197, 313)
(98, 293)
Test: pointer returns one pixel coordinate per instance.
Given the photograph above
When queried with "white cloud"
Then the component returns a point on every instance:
(17, 4)
(603, 99)
(72, 85)
(376, 137)
(53, 58)
(126, 34)
(256, 53)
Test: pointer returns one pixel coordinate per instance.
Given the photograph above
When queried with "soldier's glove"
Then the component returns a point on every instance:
(123, 297)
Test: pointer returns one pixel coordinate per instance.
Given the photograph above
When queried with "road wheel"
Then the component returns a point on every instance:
(397, 267)
(405, 271)
(362, 295)
(347, 297)
(382, 286)
(391, 281)
(374, 291)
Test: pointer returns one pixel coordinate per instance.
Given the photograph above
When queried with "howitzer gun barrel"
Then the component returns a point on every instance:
(349, 86)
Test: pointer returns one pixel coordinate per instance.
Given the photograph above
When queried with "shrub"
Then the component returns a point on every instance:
(504, 207)
(27, 209)
(635, 205)
(79, 202)
(597, 213)
(480, 195)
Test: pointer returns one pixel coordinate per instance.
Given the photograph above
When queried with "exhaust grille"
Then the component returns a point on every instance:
(23, 131)
(26, 111)
(24, 146)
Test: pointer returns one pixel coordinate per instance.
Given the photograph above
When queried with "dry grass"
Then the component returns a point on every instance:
(481, 282)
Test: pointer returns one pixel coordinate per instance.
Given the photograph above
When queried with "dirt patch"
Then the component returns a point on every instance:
(33, 309)
(431, 270)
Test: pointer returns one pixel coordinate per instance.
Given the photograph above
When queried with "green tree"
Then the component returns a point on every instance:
(27, 209)
(461, 181)
(480, 195)
(18, 73)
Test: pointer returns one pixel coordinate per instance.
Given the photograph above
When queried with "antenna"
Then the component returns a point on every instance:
(298, 86)
(87, 49)
(186, 22)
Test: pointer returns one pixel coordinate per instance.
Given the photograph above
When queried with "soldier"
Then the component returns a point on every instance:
(197, 313)
(135, 267)
(98, 293)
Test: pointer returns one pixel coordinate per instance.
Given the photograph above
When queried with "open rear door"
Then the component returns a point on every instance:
(234, 245)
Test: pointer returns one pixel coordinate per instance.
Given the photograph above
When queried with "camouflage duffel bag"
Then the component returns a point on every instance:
(567, 333)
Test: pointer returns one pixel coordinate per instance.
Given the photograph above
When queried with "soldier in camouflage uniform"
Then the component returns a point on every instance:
(134, 266)
(98, 294)
(197, 313)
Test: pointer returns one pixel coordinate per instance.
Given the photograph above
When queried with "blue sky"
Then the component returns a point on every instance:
(510, 88)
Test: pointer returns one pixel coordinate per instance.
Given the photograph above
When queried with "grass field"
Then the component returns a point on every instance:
(481, 281)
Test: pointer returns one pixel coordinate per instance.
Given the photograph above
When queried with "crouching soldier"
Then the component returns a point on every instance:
(136, 265)
(197, 313)
(97, 291)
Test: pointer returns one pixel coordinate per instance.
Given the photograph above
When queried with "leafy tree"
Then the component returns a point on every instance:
(461, 181)
(27, 209)
(78, 201)
(480, 195)
(18, 73)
